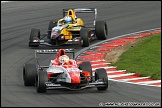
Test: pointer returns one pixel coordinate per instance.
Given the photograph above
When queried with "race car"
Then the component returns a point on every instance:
(58, 75)
(60, 33)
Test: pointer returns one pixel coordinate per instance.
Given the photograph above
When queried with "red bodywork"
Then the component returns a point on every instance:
(74, 75)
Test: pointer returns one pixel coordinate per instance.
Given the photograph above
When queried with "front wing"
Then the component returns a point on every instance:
(38, 42)
(52, 86)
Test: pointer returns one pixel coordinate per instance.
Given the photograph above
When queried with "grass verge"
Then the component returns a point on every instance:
(144, 58)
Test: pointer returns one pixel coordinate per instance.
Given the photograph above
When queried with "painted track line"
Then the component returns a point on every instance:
(108, 67)
(120, 75)
(138, 78)
(115, 71)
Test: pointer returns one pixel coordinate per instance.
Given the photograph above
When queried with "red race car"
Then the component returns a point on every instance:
(63, 73)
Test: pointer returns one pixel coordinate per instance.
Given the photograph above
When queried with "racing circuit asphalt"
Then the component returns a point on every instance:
(17, 19)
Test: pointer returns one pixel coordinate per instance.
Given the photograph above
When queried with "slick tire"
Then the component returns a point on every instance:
(86, 66)
(40, 81)
(29, 73)
(84, 34)
(34, 34)
(51, 25)
(101, 74)
(101, 30)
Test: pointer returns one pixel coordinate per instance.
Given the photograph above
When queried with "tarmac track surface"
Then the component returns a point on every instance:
(17, 19)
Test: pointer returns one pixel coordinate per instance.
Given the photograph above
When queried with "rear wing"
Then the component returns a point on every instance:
(83, 10)
(54, 51)
(51, 51)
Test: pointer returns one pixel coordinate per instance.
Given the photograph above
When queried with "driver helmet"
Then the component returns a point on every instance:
(64, 59)
(68, 20)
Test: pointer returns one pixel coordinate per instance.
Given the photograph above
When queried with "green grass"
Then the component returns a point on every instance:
(144, 58)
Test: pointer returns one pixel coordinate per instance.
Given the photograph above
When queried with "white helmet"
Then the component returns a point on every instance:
(64, 59)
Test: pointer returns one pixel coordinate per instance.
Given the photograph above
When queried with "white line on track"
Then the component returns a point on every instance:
(133, 79)
(108, 67)
(120, 75)
(99, 64)
(135, 83)
(116, 71)
(149, 82)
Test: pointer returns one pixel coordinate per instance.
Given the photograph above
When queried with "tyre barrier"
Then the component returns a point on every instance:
(96, 55)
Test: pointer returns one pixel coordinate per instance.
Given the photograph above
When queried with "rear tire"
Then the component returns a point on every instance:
(29, 73)
(101, 30)
(101, 74)
(84, 34)
(40, 81)
(34, 34)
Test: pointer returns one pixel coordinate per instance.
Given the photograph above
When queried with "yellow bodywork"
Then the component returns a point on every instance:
(75, 26)
(67, 34)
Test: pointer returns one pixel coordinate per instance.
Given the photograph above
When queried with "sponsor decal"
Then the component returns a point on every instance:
(54, 33)
(35, 40)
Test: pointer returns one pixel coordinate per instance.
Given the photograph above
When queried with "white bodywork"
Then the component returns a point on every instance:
(64, 77)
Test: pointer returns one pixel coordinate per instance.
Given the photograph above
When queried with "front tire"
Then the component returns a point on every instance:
(40, 81)
(34, 34)
(29, 73)
(84, 34)
(101, 74)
